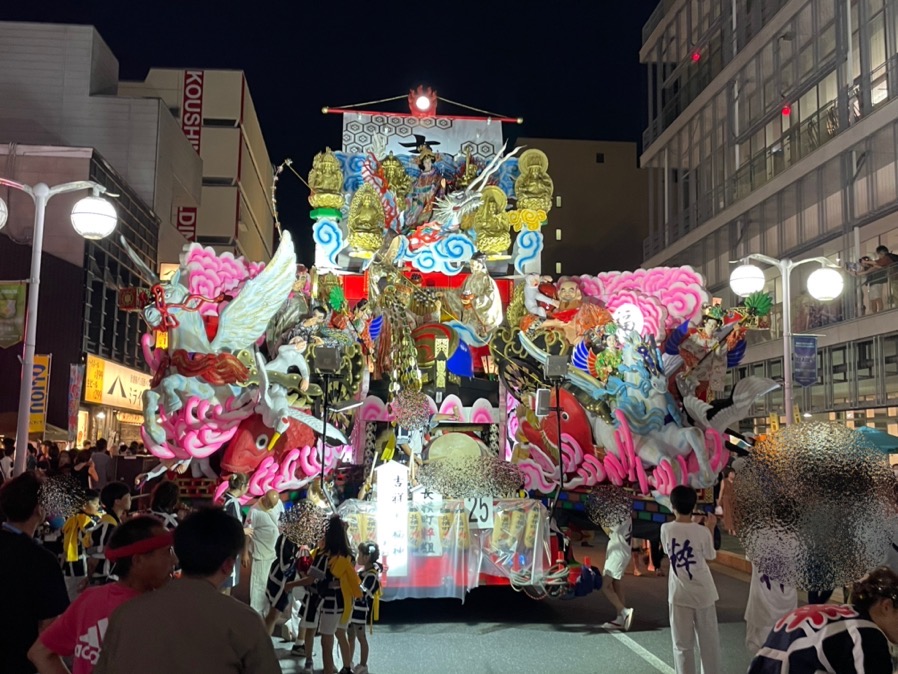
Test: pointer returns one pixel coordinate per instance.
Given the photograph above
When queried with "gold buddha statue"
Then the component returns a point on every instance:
(490, 223)
(534, 187)
(326, 181)
(399, 182)
(366, 220)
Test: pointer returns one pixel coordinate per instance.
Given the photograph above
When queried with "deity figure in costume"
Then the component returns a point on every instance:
(574, 317)
(366, 220)
(326, 181)
(704, 352)
(486, 301)
(490, 223)
(534, 187)
(470, 172)
(399, 182)
(428, 186)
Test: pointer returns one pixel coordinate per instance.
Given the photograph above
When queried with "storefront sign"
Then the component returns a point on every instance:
(76, 382)
(12, 313)
(192, 126)
(108, 383)
(804, 360)
(392, 517)
(192, 107)
(129, 418)
(40, 391)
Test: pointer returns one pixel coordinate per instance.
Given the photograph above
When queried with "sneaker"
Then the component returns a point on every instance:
(345, 670)
(612, 625)
(308, 666)
(298, 651)
(626, 618)
(360, 669)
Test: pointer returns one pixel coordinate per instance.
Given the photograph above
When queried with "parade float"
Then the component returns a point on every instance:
(426, 348)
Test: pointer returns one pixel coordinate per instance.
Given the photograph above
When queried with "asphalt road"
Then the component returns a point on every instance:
(498, 631)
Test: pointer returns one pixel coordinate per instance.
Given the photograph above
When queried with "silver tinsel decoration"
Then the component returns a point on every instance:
(304, 523)
(412, 410)
(609, 506)
(471, 477)
(60, 496)
(813, 504)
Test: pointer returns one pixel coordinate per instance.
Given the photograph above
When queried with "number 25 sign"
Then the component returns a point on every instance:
(480, 513)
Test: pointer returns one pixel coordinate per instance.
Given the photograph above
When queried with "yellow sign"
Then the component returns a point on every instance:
(108, 383)
(40, 392)
(774, 420)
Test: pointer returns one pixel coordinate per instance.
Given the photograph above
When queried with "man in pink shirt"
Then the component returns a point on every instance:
(142, 558)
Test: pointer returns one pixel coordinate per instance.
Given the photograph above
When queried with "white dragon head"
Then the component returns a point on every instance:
(452, 207)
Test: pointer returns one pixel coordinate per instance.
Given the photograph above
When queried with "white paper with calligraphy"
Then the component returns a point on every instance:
(392, 518)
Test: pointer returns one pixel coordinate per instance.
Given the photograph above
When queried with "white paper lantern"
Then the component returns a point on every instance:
(94, 218)
(4, 213)
(825, 284)
(747, 279)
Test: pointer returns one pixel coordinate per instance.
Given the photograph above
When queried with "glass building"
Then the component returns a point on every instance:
(773, 126)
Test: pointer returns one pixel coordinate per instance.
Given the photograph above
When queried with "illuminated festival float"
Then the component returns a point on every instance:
(427, 362)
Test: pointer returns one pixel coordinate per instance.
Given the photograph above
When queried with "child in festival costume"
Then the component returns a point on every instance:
(617, 558)
(837, 639)
(339, 587)
(140, 552)
(311, 608)
(689, 543)
(116, 500)
(75, 541)
(366, 608)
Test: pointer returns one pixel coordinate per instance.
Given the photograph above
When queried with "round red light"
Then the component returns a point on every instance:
(696, 56)
(787, 110)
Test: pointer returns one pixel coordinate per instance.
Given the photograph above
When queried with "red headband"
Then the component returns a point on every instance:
(140, 547)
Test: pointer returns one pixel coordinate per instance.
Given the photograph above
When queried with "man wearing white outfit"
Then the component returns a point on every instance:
(691, 590)
(768, 601)
(617, 558)
(263, 518)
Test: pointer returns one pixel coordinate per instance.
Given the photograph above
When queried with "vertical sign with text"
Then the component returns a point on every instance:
(40, 392)
(192, 126)
(804, 360)
(392, 517)
(76, 381)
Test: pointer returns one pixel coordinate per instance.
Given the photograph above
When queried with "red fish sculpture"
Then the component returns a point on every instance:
(574, 423)
(250, 444)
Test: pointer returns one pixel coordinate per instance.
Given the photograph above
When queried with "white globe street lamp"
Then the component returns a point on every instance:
(93, 218)
(747, 279)
(824, 284)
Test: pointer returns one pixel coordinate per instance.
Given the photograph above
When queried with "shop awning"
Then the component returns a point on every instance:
(884, 442)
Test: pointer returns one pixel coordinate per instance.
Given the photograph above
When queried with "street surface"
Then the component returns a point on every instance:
(498, 631)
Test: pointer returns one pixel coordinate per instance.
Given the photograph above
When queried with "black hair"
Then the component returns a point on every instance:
(880, 583)
(882, 249)
(165, 497)
(111, 493)
(134, 530)
(237, 481)
(683, 499)
(90, 495)
(206, 539)
(20, 497)
(372, 551)
(361, 304)
(101, 445)
(728, 470)
(318, 309)
(335, 537)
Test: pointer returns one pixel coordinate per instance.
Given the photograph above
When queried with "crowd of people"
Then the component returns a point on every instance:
(127, 590)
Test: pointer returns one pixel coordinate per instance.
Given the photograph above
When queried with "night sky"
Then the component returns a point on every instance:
(569, 68)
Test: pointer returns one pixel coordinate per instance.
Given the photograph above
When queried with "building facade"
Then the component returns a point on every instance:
(773, 127)
(600, 214)
(79, 322)
(216, 113)
(59, 87)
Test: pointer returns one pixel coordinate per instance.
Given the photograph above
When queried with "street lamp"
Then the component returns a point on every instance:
(824, 284)
(93, 218)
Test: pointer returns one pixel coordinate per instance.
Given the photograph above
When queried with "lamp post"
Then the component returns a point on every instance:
(93, 218)
(824, 284)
